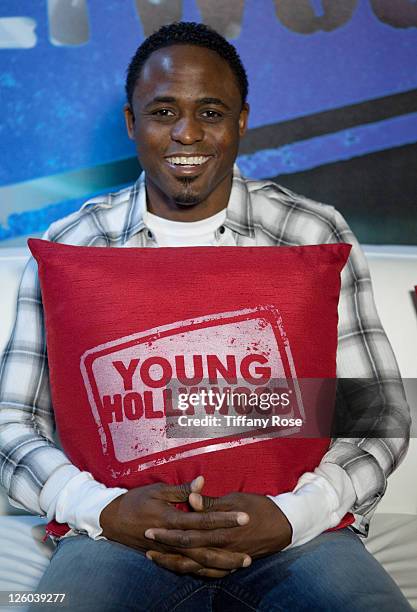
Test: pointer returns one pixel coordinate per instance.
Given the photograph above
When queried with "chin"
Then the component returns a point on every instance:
(187, 196)
(186, 200)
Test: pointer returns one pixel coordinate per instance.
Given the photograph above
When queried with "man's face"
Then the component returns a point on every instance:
(186, 119)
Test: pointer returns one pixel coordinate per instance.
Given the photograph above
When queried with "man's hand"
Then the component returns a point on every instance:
(268, 530)
(127, 517)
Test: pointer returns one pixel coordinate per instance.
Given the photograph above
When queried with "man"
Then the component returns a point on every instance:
(186, 112)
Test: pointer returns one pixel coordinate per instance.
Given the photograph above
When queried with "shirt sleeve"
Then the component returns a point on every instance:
(74, 497)
(372, 421)
(37, 475)
(372, 424)
(28, 455)
(318, 502)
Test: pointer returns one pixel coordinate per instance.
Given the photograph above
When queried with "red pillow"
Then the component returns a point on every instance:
(127, 326)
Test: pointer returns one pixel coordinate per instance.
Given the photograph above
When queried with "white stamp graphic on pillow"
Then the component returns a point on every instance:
(130, 382)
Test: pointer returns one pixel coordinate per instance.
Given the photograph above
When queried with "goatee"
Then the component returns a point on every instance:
(186, 195)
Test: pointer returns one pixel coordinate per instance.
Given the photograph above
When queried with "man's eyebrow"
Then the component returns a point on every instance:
(216, 101)
(171, 100)
(163, 99)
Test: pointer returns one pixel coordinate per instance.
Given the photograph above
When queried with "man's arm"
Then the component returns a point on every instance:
(27, 454)
(374, 417)
(39, 477)
(32, 469)
(373, 424)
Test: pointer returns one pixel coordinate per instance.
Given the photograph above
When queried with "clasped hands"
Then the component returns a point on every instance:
(220, 535)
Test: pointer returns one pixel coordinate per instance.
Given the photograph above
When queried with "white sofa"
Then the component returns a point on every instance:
(393, 534)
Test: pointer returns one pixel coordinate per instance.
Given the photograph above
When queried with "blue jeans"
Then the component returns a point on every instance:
(332, 572)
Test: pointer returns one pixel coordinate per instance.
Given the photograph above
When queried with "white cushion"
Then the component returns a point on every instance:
(393, 542)
(23, 555)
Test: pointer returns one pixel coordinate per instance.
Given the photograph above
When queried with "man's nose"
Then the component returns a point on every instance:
(187, 130)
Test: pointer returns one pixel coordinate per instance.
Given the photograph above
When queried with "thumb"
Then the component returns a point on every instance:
(181, 492)
(204, 503)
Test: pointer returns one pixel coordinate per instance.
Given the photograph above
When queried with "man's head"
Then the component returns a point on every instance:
(186, 111)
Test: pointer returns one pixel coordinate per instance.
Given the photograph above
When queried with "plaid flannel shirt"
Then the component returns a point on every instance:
(259, 213)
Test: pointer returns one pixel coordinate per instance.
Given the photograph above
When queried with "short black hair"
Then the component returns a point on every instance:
(186, 33)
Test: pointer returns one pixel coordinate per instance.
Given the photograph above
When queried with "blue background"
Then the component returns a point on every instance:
(61, 106)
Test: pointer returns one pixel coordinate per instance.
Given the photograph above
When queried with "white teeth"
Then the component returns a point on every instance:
(187, 161)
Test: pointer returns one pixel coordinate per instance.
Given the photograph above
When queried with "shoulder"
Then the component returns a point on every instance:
(295, 217)
(97, 217)
(281, 197)
(292, 219)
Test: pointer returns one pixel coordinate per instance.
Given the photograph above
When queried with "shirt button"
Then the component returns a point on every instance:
(149, 234)
(222, 229)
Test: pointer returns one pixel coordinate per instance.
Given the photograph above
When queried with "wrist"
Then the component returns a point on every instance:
(282, 535)
(108, 517)
(81, 501)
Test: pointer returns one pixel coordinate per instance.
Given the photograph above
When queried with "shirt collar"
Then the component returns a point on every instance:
(238, 211)
(136, 207)
(239, 208)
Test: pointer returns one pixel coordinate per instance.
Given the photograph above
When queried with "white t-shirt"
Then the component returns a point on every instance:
(179, 233)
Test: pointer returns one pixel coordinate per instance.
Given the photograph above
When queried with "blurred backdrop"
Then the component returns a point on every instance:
(333, 95)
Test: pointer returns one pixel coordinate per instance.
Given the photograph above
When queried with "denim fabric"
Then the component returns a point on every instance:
(332, 572)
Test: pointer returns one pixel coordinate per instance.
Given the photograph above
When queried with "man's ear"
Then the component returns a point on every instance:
(129, 120)
(243, 119)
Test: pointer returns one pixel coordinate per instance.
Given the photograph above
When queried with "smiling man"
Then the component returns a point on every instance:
(186, 112)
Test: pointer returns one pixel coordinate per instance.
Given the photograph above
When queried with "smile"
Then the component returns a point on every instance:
(188, 161)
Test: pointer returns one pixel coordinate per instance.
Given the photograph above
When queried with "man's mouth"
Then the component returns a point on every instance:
(188, 161)
(188, 166)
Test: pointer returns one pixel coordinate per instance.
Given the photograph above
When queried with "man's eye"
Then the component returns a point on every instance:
(163, 112)
(211, 114)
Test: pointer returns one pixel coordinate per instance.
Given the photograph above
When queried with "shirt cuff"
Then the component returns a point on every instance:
(318, 502)
(74, 497)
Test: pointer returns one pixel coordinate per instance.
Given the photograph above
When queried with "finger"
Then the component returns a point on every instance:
(210, 555)
(216, 558)
(191, 538)
(213, 573)
(176, 519)
(196, 502)
(174, 562)
(184, 565)
(205, 503)
(197, 484)
(181, 492)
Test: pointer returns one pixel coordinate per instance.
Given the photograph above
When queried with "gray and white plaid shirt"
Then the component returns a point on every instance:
(259, 213)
